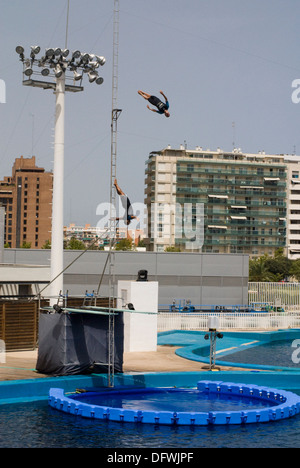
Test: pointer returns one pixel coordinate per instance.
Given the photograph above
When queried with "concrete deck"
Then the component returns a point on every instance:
(21, 364)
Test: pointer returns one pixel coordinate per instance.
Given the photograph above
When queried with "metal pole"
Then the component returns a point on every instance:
(212, 358)
(58, 196)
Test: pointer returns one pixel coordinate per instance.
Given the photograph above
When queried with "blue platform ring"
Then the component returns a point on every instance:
(280, 405)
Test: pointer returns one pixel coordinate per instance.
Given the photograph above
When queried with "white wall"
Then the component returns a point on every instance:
(140, 329)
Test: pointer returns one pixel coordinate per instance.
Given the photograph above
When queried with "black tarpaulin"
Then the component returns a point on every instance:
(78, 343)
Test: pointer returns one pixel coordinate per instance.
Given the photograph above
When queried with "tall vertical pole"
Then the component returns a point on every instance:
(58, 198)
(113, 174)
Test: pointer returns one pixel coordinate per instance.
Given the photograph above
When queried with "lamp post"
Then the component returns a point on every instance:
(54, 64)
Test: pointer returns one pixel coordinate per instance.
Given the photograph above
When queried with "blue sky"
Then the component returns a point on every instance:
(218, 62)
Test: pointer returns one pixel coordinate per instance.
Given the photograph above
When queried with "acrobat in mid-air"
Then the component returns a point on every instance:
(128, 216)
(162, 107)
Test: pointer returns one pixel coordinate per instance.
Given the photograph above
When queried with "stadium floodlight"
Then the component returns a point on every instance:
(65, 52)
(49, 53)
(94, 65)
(35, 49)
(55, 64)
(100, 59)
(77, 76)
(99, 80)
(58, 71)
(28, 69)
(76, 54)
(92, 76)
(85, 57)
(45, 71)
(20, 50)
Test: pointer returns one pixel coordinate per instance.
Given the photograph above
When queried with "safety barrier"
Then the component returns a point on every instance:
(243, 321)
(285, 294)
(279, 404)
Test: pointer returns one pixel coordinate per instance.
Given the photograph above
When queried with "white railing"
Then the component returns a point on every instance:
(240, 321)
(284, 294)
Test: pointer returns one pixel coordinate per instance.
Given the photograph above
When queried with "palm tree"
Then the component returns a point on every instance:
(258, 270)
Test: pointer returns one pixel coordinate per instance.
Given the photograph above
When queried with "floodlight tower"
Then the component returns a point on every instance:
(54, 63)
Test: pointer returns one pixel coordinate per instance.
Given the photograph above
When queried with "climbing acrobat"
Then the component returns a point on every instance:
(155, 101)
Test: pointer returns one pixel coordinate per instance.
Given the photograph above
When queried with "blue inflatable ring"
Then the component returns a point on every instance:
(281, 405)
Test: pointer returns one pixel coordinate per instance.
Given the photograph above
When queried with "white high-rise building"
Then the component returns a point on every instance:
(241, 201)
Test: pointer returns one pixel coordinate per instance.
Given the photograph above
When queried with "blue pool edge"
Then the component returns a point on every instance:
(18, 391)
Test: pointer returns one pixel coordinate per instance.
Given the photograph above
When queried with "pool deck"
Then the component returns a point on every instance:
(20, 365)
(19, 380)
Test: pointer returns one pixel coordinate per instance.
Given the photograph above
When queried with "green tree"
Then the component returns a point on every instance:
(75, 244)
(295, 269)
(26, 245)
(172, 248)
(258, 270)
(124, 244)
(279, 265)
(47, 245)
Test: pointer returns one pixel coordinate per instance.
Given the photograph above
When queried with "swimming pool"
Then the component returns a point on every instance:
(278, 350)
(35, 425)
(26, 420)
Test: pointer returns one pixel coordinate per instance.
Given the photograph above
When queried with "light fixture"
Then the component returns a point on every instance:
(99, 80)
(92, 76)
(101, 60)
(54, 63)
(142, 275)
(76, 54)
(45, 71)
(85, 57)
(58, 71)
(77, 76)
(28, 70)
(20, 50)
(35, 49)
(94, 65)
(49, 52)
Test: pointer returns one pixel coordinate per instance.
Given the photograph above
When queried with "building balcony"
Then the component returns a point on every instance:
(233, 171)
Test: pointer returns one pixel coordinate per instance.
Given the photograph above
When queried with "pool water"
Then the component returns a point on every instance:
(173, 401)
(274, 353)
(36, 425)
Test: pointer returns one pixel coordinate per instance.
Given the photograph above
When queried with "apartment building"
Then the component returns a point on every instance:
(293, 207)
(26, 196)
(243, 198)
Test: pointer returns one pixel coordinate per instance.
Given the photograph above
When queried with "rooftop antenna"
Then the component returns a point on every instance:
(67, 25)
(233, 135)
(113, 222)
(32, 134)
